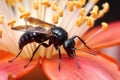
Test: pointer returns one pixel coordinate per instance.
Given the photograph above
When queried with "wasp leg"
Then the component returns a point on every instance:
(75, 58)
(59, 59)
(15, 56)
(43, 44)
(32, 55)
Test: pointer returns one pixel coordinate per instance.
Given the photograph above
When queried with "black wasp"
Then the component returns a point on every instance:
(55, 35)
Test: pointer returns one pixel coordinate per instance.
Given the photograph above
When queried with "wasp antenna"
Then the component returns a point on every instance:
(85, 51)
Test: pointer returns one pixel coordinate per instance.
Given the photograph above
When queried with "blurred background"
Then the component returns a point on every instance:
(111, 16)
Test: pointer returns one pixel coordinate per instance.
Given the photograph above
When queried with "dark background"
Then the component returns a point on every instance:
(114, 12)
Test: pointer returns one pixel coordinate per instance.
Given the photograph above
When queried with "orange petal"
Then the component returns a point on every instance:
(108, 38)
(91, 68)
(15, 69)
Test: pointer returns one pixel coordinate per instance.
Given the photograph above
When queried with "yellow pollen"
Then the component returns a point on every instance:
(70, 6)
(90, 21)
(25, 14)
(104, 10)
(21, 9)
(46, 3)
(82, 11)
(1, 33)
(1, 19)
(11, 2)
(60, 12)
(35, 4)
(55, 18)
(94, 1)
(54, 5)
(11, 23)
(105, 7)
(77, 4)
(94, 11)
(104, 26)
(79, 21)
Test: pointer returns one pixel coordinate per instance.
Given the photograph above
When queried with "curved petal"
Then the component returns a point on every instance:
(15, 69)
(107, 38)
(91, 68)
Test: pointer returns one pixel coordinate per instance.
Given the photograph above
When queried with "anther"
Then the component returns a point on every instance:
(21, 9)
(11, 2)
(60, 12)
(82, 11)
(104, 26)
(55, 18)
(46, 3)
(94, 11)
(79, 21)
(94, 1)
(90, 21)
(54, 5)
(77, 4)
(35, 4)
(11, 23)
(1, 19)
(25, 14)
(105, 7)
(70, 6)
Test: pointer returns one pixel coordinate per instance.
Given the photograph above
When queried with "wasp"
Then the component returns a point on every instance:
(55, 35)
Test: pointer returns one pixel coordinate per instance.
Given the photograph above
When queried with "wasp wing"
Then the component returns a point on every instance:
(39, 22)
(30, 28)
(38, 30)
(22, 28)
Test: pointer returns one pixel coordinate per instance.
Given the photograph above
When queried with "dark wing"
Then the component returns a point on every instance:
(22, 28)
(39, 22)
(30, 28)
(38, 30)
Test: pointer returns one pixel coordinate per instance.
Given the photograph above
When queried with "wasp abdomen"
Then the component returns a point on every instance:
(29, 37)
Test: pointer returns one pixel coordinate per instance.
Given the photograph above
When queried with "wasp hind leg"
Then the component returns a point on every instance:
(15, 56)
(43, 44)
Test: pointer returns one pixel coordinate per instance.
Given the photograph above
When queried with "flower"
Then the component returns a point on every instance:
(74, 18)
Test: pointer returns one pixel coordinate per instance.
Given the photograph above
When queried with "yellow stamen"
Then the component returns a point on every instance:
(54, 5)
(1, 33)
(79, 21)
(104, 10)
(94, 1)
(94, 11)
(82, 11)
(70, 6)
(104, 26)
(55, 18)
(90, 21)
(35, 4)
(25, 14)
(105, 7)
(77, 4)
(46, 3)
(11, 2)
(21, 9)
(11, 23)
(60, 12)
(1, 19)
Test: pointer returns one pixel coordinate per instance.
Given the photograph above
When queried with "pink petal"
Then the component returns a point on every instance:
(107, 38)
(91, 68)
(14, 69)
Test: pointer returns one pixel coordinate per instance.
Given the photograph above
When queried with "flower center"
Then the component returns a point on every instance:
(72, 15)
